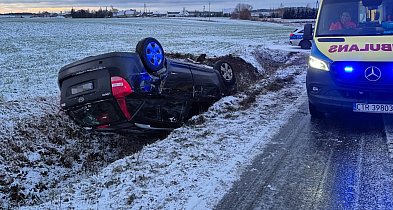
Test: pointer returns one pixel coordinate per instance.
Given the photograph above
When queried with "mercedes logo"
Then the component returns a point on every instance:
(373, 74)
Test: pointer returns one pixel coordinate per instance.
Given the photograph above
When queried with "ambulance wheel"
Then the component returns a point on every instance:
(151, 53)
(314, 112)
(305, 44)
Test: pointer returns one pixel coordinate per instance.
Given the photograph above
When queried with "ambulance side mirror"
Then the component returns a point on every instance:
(307, 35)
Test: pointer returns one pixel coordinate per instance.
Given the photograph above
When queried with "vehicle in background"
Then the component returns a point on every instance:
(350, 67)
(140, 92)
(296, 39)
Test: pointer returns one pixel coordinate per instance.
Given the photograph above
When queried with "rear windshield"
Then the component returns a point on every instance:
(352, 18)
(94, 115)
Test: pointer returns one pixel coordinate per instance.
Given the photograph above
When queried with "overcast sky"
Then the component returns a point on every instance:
(160, 5)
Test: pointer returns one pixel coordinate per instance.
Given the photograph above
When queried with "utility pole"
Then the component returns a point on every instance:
(144, 10)
(209, 11)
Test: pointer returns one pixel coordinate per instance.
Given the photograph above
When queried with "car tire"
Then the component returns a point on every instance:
(305, 44)
(314, 112)
(226, 72)
(151, 53)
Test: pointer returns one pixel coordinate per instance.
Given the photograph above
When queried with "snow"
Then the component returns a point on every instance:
(196, 164)
(33, 156)
(190, 169)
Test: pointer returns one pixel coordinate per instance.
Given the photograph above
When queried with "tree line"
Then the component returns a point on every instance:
(243, 11)
(93, 14)
(299, 13)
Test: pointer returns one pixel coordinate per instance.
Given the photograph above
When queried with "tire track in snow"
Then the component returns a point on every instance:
(388, 122)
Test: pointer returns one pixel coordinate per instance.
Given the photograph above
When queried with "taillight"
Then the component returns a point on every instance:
(291, 35)
(121, 89)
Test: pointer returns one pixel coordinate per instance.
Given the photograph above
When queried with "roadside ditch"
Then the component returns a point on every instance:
(42, 150)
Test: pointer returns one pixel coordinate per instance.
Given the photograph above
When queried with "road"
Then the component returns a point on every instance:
(341, 162)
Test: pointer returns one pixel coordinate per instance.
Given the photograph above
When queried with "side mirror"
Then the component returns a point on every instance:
(307, 35)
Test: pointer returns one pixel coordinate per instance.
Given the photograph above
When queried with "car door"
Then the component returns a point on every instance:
(206, 83)
(177, 92)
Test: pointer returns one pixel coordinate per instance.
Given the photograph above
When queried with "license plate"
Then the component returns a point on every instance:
(82, 88)
(373, 108)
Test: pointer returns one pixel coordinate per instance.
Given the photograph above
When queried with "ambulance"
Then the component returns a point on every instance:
(351, 61)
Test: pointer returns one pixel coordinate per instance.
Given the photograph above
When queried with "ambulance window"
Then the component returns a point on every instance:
(362, 14)
(370, 14)
(387, 14)
(352, 18)
(332, 12)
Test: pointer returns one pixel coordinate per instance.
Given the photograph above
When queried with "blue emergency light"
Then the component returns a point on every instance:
(348, 69)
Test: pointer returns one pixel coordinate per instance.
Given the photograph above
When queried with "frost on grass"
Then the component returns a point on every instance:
(42, 150)
(32, 50)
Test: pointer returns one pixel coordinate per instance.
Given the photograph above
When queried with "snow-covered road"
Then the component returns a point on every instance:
(341, 162)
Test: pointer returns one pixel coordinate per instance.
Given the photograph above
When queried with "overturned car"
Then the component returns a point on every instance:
(141, 91)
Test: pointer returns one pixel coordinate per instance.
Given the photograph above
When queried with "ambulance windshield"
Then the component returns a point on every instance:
(352, 18)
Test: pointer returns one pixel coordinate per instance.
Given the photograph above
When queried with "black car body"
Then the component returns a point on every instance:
(118, 91)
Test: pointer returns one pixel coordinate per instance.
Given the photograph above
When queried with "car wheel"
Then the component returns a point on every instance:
(314, 112)
(151, 53)
(226, 72)
(305, 44)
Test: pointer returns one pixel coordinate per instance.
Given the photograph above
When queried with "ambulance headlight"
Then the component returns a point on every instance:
(318, 64)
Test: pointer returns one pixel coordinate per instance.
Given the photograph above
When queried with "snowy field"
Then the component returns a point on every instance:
(33, 50)
(46, 160)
